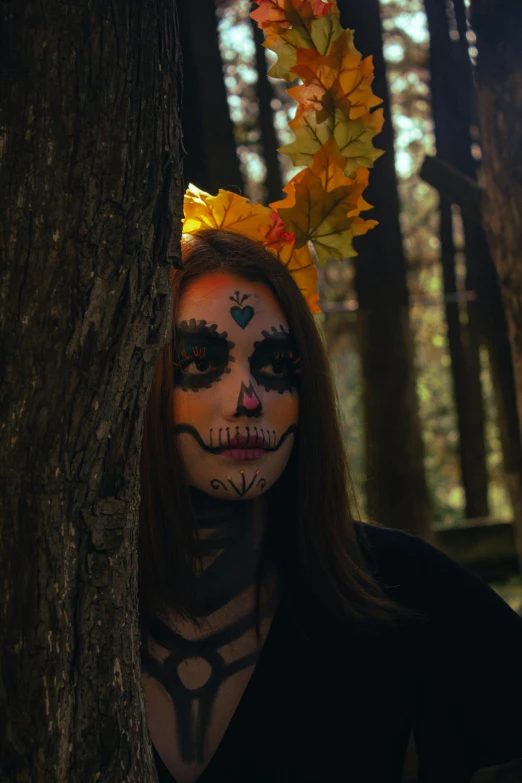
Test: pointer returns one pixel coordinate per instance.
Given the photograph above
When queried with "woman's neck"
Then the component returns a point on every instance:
(231, 534)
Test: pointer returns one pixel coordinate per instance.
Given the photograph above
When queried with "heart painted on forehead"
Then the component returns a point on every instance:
(242, 315)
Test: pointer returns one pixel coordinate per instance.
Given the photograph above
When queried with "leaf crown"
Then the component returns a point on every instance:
(334, 127)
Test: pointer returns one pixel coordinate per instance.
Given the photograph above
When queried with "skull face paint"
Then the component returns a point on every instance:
(235, 398)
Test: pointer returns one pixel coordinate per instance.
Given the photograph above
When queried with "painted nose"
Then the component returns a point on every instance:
(248, 403)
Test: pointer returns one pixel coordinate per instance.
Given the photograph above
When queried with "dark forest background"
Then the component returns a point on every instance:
(426, 386)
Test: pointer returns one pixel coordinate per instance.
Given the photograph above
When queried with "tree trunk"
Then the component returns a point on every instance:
(452, 120)
(486, 283)
(396, 481)
(90, 187)
(265, 95)
(211, 160)
(497, 24)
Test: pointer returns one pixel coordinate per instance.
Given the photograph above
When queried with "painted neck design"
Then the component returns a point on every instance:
(231, 533)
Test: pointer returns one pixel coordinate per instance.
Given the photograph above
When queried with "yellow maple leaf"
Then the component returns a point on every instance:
(227, 210)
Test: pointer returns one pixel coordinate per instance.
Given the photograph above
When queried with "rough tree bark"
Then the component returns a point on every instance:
(498, 25)
(89, 190)
(394, 451)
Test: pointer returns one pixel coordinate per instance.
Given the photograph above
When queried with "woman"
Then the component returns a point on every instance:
(282, 639)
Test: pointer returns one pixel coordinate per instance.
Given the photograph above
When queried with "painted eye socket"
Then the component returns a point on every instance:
(276, 369)
(200, 355)
(198, 365)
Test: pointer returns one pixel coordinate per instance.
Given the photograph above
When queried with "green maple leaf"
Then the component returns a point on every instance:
(324, 31)
(284, 44)
(321, 217)
(310, 136)
(354, 139)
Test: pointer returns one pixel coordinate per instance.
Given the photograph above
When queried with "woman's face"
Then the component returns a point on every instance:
(236, 372)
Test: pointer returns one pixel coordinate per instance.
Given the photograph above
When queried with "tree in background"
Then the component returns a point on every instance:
(452, 100)
(497, 24)
(90, 187)
(394, 453)
(211, 160)
(407, 57)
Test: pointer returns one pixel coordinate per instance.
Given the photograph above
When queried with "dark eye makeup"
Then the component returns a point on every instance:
(200, 355)
(276, 363)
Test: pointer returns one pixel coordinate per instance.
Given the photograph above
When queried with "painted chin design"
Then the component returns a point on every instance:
(242, 487)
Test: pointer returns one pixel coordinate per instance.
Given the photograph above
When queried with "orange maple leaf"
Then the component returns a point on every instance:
(299, 262)
(342, 73)
(304, 271)
(301, 266)
(329, 165)
(272, 13)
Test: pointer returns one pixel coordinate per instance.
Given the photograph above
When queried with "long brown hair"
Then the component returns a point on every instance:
(310, 535)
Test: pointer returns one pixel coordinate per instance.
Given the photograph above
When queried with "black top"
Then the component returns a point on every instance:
(339, 704)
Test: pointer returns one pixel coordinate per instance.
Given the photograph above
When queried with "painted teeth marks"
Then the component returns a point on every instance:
(241, 315)
(269, 438)
(201, 355)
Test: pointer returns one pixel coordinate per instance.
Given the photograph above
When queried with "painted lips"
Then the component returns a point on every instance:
(243, 454)
(238, 449)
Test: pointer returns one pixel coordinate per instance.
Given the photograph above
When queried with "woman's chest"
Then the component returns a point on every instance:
(187, 730)
(192, 693)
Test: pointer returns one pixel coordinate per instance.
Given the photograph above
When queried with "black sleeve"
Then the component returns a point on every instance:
(469, 694)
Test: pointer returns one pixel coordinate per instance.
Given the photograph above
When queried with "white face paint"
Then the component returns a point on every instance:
(235, 400)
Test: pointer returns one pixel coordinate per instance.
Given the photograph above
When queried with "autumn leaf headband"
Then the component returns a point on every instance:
(334, 128)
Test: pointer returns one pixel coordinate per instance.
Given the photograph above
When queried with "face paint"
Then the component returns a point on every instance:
(248, 403)
(275, 363)
(243, 488)
(235, 407)
(241, 315)
(255, 438)
(201, 355)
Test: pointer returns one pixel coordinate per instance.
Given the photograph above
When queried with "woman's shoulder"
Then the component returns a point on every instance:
(431, 580)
